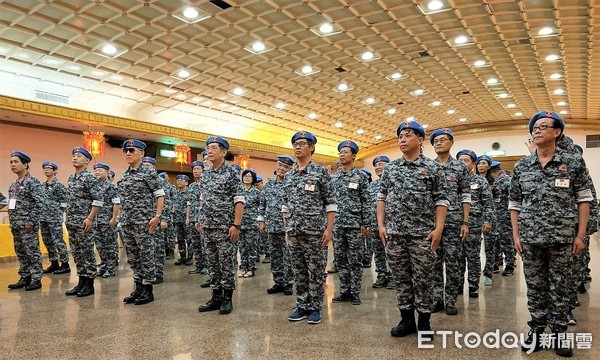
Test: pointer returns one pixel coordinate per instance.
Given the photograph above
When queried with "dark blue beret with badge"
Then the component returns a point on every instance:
(24, 158)
(286, 159)
(304, 135)
(134, 143)
(484, 157)
(101, 166)
(197, 163)
(438, 132)
(82, 151)
(549, 115)
(471, 153)
(183, 177)
(215, 139)
(150, 160)
(51, 164)
(411, 125)
(381, 158)
(350, 144)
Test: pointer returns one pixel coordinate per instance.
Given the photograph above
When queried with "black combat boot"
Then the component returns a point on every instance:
(205, 284)
(562, 348)
(88, 287)
(342, 297)
(52, 268)
(74, 291)
(407, 324)
(181, 261)
(214, 303)
(134, 294)
(23, 281)
(63, 269)
(145, 296)
(226, 305)
(276, 289)
(424, 326)
(34, 285)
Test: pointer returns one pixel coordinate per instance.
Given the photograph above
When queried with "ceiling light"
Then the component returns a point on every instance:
(74, 67)
(434, 5)
(492, 81)
(191, 15)
(238, 91)
(378, 137)
(519, 114)
(410, 118)
(555, 76)
(511, 106)
(545, 31)
(306, 70)
(52, 61)
(98, 73)
(390, 111)
(360, 131)
(462, 119)
(435, 103)
(425, 126)
(367, 55)
(563, 112)
(196, 99)
(109, 49)
(112, 51)
(459, 40)
(280, 105)
(479, 63)
(451, 111)
(394, 76)
(312, 115)
(369, 101)
(342, 87)
(183, 73)
(561, 103)
(503, 95)
(257, 48)
(326, 29)
(417, 92)
(338, 124)
(558, 92)
(180, 97)
(170, 91)
(552, 57)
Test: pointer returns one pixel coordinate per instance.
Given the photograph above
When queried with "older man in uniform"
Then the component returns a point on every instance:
(219, 219)
(83, 204)
(503, 226)
(456, 229)
(180, 218)
(196, 238)
(143, 199)
(51, 221)
(381, 266)
(550, 199)
(411, 212)
(26, 198)
(271, 223)
(352, 222)
(169, 233)
(309, 211)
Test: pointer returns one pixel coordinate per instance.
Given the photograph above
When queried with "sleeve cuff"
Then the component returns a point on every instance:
(97, 203)
(466, 198)
(116, 201)
(585, 196)
(514, 205)
(189, 203)
(159, 193)
(444, 203)
(260, 218)
(381, 196)
(284, 209)
(331, 208)
(239, 199)
(62, 205)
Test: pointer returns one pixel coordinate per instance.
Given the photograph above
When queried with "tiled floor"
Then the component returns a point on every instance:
(47, 325)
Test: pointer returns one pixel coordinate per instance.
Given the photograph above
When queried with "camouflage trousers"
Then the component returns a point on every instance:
(586, 260)
(411, 261)
(547, 275)
(106, 244)
(264, 247)
(306, 252)
(367, 250)
(184, 245)
(249, 247)
(507, 245)
(578, 274)
(348, 253)
(381, 265)
(159, 251)
(27, 248)
(170, 236)
(82, 249)
(197, 247)
(448, 253)
(220, 255)
(139, 245)
(52, 235)
(280, 260)
(489, 244)
(470, 257)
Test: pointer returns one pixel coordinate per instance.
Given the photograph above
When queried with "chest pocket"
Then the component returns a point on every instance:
(529, 183)
(423, 183)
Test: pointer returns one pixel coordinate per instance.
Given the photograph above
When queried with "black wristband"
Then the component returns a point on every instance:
(464, 223)
(236, 226)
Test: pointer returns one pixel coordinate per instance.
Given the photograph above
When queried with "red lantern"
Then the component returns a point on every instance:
(93, 141)
(182, 154)
(244, 161)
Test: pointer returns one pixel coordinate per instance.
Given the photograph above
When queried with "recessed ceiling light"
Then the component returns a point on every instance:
(459, 40)
(367, 55)
(425, 126)
(545, 31)
(451, 111)
(417, 92)
(170, 91)
(238, 91)
(196, 99)
(558, 92)
(180, 97)
(503, 95)
(519, 114)
(552, 57)
(183, 73)
(369, 101)
(492, 81)
(338, 124)
(98, 73)
(394, 76)
(360, 131)
(109, 49)
(341, 87)
(435, 103)
(561, 103)
(563, 112)
(410, 118)
(434, 5)
(257, 47)
(390, 111)
(326, 28)
(377, 137)
(511, 106)
(462, 119)
(306, 70)
(555, 76)
(479, 63)
(280, 105)
(312, 115)
(190, 13)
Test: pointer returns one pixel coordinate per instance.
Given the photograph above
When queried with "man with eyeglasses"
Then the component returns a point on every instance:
(220, 219)
(309, 209)
(411, 212)
(381, 265)
(351, 223)
(192, 217)
(180, 219)
(142, 203)
(271, 223)
(456, 229)
(169, 234)
(550, 199)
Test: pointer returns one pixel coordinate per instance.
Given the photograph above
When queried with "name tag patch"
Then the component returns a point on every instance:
(562, 183)
(12, 204)
(474, 186)
(309, 187)
(353, 185)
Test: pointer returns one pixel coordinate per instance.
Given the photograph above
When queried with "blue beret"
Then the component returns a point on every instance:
(134, 143)
(251, 172)
(338, 164)
(204, 153)
(547, 114)
(82, 151)
(304, 135)
(183, 177)
(349, 143)
(259, 178)
(51, 164)
(437, 132)
(148, 159)
(196, 163)
(26, 159)
(411, 125)
(162, 174)
(111, 173)
(579, 149)
(381, 158)
(219, 140)
(496, 164)
(471, 153)
(366, 171)
(484, 157)
(286, 159)
(101, 166)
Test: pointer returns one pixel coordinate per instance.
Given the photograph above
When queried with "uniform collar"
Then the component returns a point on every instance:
(418, 160)
(305, 170)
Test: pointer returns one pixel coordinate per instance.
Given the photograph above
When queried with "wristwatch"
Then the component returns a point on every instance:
(236, 226)
(464, 223)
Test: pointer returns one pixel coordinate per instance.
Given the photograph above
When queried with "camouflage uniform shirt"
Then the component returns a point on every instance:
(457, 185)
(220, 190)
(83, 192)
(250, 216)
(482, 202)
(193, 192)
(180, 204)
(29, 201)
(138, 189)
(56, 199)
(373, 191)
(502, 186)
(269, 211)
(110, 197)
(352, 199)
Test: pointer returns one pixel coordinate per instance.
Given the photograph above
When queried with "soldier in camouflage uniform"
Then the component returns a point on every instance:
(106, 223)
(263, 240)
(381, 266)
(84, 201)
(51, 221)
(249, 236)
(490, 240)
(456, 229)
(503, 227)
(179, 220)
(193, 205)
(26, 199)
(367, 242)
(161, 230)
(309, 211)
(219, 219)
(3, 201)
(481, 217)
(169, 233)
(411, 211)
(142, 199)
(271, 225)
(550, 199)
(352, 222)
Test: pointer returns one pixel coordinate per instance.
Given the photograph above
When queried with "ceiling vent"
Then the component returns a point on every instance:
(418, 55)
(340, 69)
(517, 42)
(55, 98)
(220, 3)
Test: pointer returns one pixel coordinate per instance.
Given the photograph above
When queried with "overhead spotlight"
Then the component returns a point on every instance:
(480, 63)
(563, 112)
(561, 103)
(558, 92)
(183, 74)
(435, 103)
(417, 92)
(391, 111)
(461, 40)
(170, 91)
(511, 106)
(394, 76)
(451, 112)
(410, 118)
(360, 131)
(191, 14)
(555, 76)
(462, 119)
(433, 6)
(342, 87)
(338, 124)
(280, 105)
(109, 49)
(552, 57)
(112, 51)
(257, 48)
(545, 31)
(369, 101)
(326, 29)
(306, 70)
(312, 115)
(238, 91)
(368, 56)
(377, 137)
(492, 81)
(518, 113)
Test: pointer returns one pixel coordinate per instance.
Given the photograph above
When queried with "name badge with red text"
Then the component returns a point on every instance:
(562, 183)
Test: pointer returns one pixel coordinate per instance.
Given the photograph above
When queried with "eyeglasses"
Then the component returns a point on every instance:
(440, 141)
(129, 150)
(214, 147)
(299, 144)
(541, 128)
